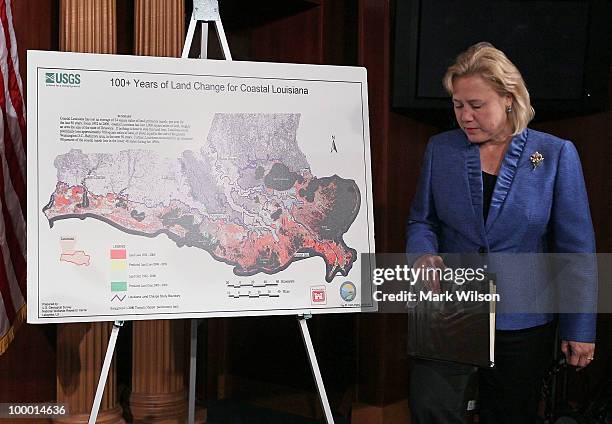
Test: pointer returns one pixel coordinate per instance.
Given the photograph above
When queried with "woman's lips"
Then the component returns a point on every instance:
(471, 130)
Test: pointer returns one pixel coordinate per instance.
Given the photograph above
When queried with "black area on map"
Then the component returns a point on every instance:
(275, 215)
(138, 216)
(345, 207)
(85, 203)
(280, 177)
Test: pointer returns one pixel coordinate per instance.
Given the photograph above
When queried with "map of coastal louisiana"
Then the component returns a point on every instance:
(247, 197)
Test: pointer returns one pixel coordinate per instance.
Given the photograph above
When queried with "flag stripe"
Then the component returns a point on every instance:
(13, 50)
(16, 175)
(7, 333)
(12, 117)
(12, 184)
(11, 201)
(16, 290)
(4, 324)
(14, 86)
(17, 259)
(5, 292)
(12, 205)
(17, 179)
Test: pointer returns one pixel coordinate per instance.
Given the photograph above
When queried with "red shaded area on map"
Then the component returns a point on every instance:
(118, 254)
(322, 211)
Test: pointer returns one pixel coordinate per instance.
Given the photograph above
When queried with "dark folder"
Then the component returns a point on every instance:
(455, 330)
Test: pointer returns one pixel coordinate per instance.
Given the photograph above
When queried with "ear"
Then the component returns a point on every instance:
(509, 99)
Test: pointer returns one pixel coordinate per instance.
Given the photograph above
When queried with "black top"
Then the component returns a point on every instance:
(488, 184)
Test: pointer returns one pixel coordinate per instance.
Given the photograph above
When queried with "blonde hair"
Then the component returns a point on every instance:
(491, 64)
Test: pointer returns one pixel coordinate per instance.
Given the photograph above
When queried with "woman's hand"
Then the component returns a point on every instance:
(430, 262)
(578, 354)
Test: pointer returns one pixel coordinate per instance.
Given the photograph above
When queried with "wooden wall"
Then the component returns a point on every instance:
(397, 145)
(592, 136)
(324, 32)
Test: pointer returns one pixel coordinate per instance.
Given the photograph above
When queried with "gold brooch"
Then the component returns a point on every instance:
(536, 159)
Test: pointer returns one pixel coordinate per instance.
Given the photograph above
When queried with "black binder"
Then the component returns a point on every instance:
(453, 330)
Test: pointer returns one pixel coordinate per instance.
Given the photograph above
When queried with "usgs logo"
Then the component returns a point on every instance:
(62, 78)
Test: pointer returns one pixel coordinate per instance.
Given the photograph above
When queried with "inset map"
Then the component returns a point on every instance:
(70, 254)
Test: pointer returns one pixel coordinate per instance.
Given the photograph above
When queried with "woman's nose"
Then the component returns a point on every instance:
(466, 116)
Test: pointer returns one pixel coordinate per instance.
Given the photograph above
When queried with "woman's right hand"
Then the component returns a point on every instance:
(426, 262)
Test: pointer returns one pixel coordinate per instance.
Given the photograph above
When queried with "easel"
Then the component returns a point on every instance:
(206, 11)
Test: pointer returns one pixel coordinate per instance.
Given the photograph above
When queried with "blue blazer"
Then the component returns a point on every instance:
(533, 210)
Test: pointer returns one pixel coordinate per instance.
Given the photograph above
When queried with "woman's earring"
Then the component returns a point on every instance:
(508, 109)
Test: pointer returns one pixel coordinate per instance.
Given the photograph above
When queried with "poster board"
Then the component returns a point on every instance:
(180, 188)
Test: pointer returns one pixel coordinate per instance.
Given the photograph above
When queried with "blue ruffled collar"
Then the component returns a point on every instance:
(504, 178)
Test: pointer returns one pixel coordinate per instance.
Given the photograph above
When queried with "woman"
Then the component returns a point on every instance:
(496, 186)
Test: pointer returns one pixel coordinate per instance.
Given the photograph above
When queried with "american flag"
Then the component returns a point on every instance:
(12, 184)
